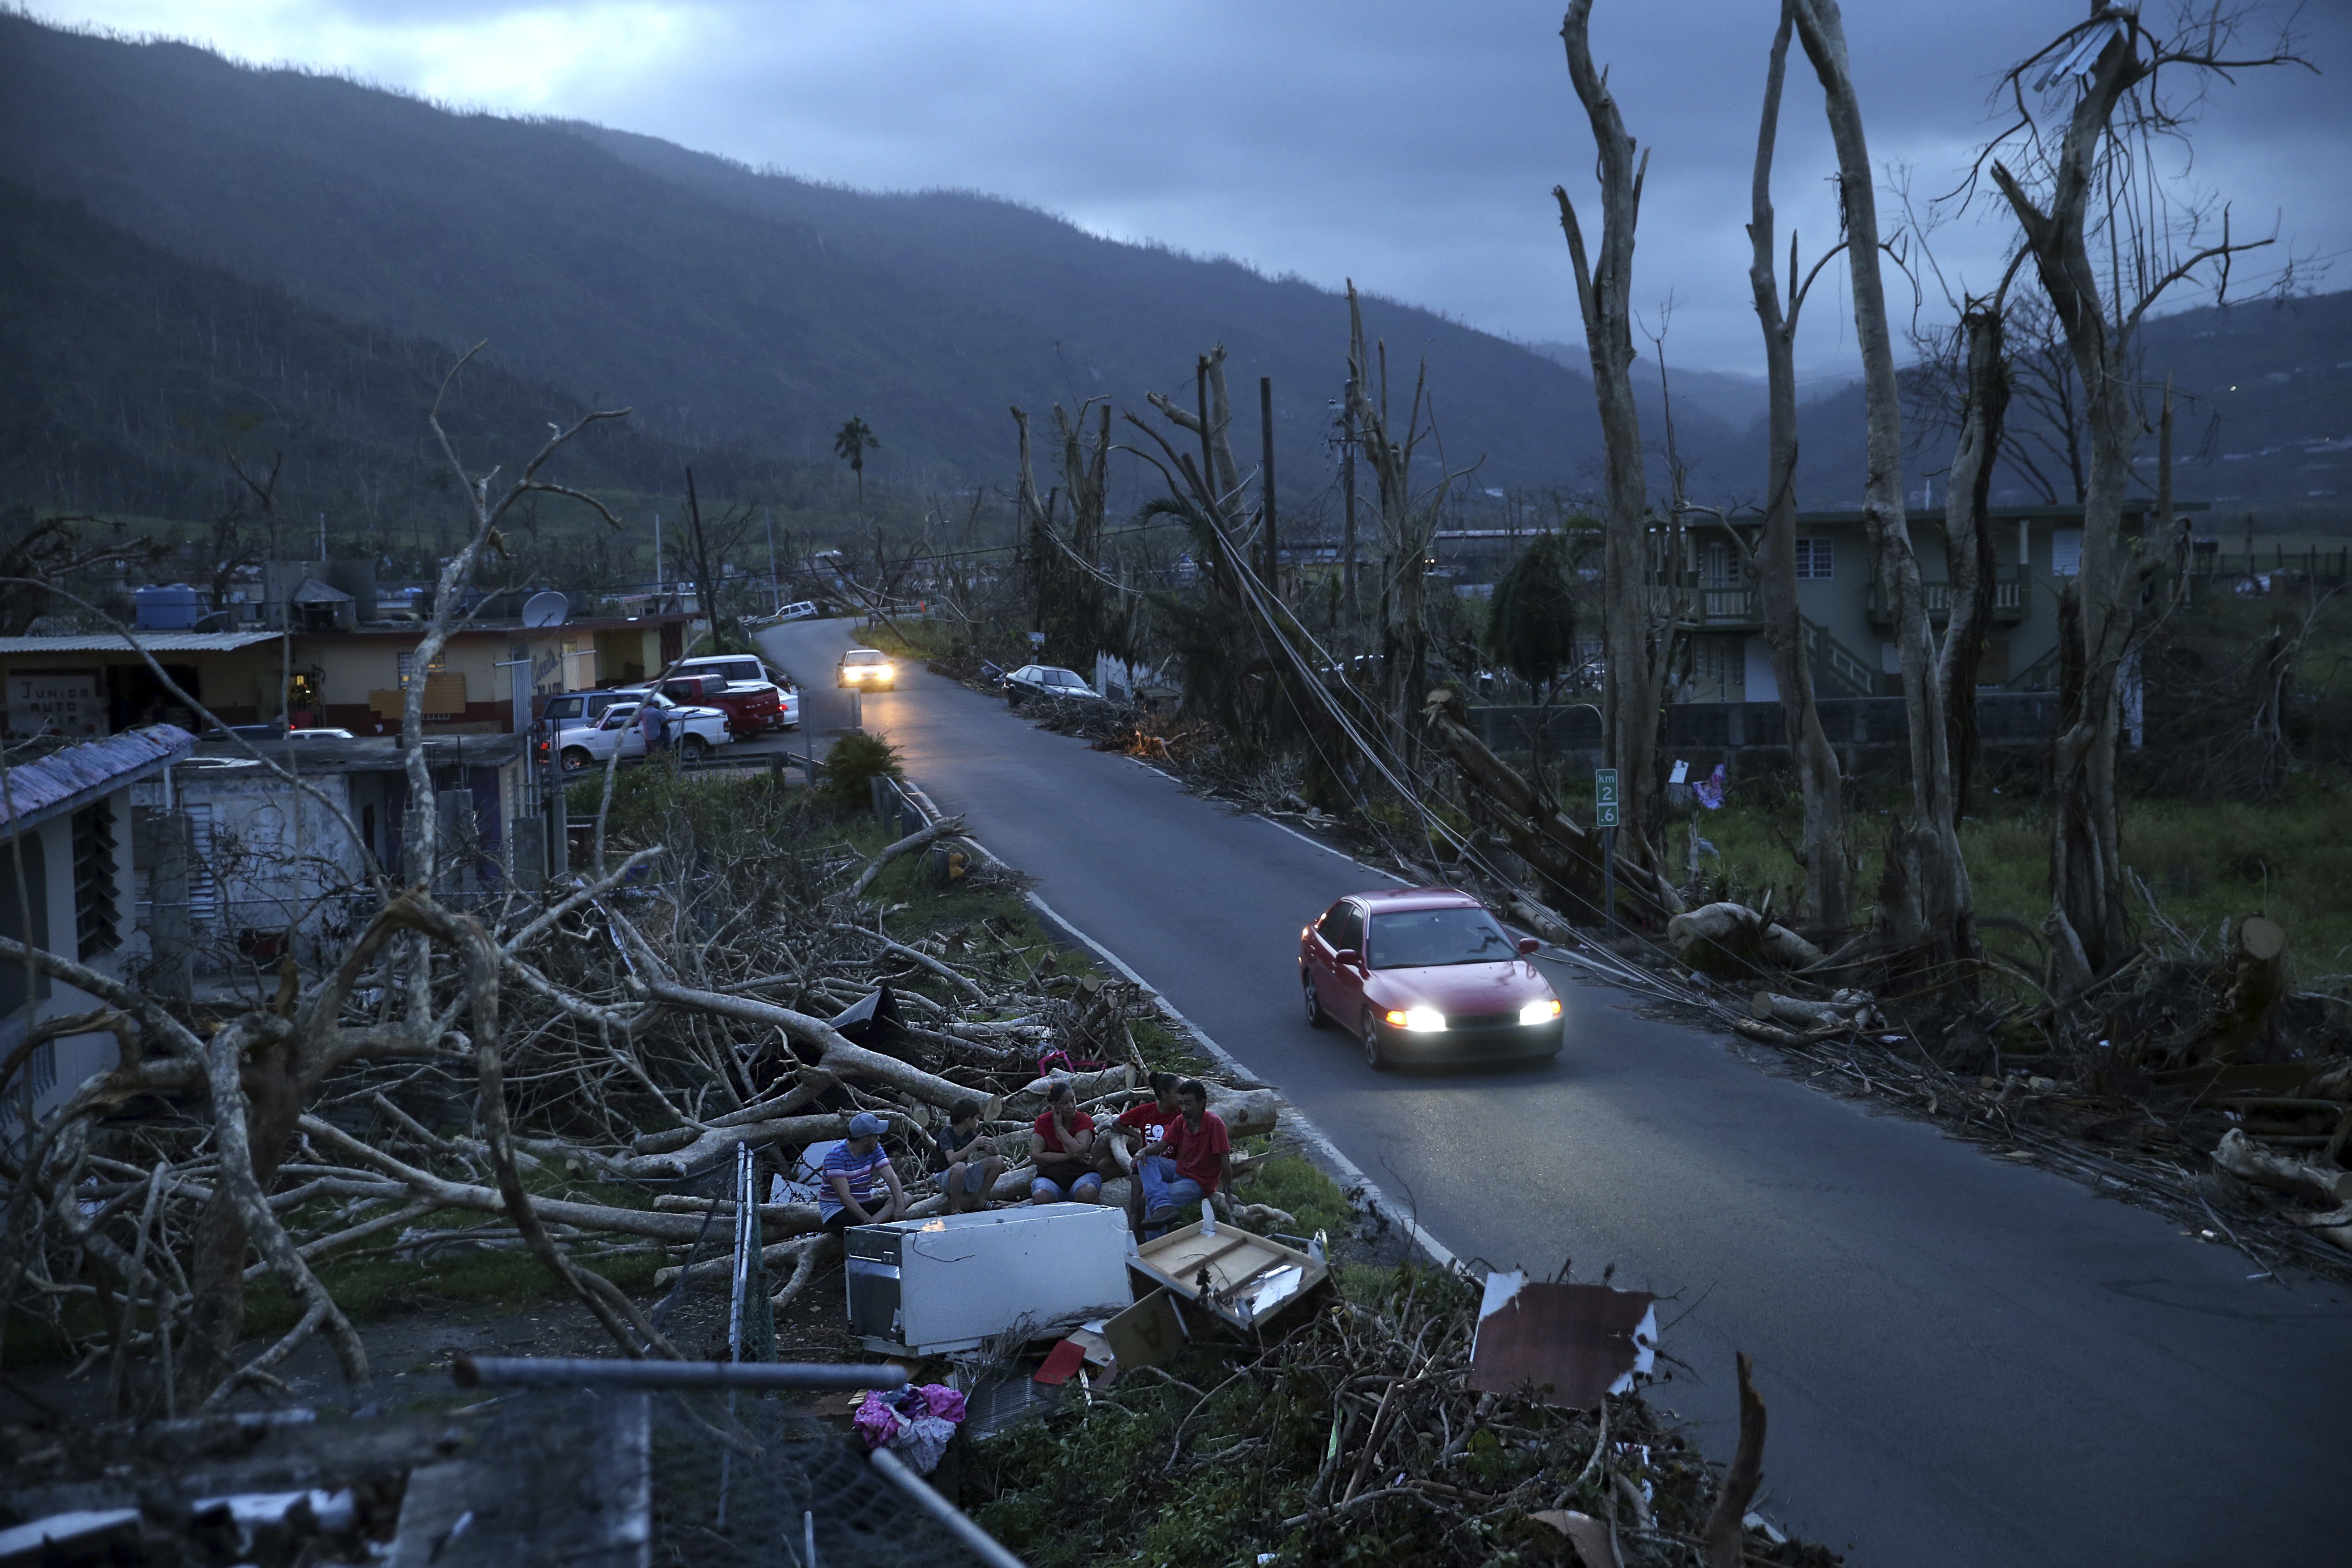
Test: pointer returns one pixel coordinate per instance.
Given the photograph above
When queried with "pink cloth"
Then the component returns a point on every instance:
(917, 1426)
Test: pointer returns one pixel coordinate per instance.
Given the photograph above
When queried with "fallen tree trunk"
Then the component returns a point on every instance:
(2248, 1161)
(834, 1054)
(1772, 1008)
(1560, 851)
(1728, 939)
(946, 827)
(788, 1219)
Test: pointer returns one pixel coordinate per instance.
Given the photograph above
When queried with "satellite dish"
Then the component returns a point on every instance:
(546, 609)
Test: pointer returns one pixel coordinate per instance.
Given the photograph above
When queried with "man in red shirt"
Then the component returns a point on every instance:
(1142, 1127)
(1191, 1161)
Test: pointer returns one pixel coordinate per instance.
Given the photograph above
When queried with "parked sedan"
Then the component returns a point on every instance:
(1046, 681)
(1426, 974)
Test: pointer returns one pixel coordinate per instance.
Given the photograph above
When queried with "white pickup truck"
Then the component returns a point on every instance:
(693, 730)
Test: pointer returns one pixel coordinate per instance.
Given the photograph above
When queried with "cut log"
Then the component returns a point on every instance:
(1245, 1111)
(1031, 1099)
(1770, 1007)
(2334, 1227)
(2248, 1161)
(716, 1143)
(1728, 939)
(2257, 982)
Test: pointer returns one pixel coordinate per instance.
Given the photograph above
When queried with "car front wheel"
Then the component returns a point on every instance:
(1316, 1017)
(575, 759)
(1376, 1055)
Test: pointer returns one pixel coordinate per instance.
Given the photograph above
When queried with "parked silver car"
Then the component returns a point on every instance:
(1046, 681)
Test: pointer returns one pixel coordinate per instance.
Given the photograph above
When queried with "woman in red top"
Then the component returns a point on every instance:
(1063, 1147)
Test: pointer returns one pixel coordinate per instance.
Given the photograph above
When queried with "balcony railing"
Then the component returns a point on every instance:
(2008, 600)
(1728, 604)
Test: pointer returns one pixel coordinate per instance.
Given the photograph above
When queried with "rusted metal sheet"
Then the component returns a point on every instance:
(1563, 1344)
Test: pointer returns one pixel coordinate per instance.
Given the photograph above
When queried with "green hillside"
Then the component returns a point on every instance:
(730, 308)
(136, 375)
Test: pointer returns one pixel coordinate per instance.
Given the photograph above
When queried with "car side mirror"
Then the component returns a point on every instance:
(1529, 947)
(1348, 958)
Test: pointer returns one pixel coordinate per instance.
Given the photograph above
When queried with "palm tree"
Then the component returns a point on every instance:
(850, 444)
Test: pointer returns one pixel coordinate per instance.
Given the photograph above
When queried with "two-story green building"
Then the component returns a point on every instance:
(1849, 626)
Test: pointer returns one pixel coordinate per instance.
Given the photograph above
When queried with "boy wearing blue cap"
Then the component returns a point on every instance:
(854, 1168)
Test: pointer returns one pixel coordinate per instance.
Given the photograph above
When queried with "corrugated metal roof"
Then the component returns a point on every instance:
(66, 778)
(154, 642)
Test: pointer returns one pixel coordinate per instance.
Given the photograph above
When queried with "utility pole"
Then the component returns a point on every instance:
(775, 593)
(658, 563)
(1266, 441)
(1348, 487)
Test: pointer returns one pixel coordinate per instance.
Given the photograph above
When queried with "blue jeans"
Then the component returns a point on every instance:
(1045, 1190)
(1163, 1189)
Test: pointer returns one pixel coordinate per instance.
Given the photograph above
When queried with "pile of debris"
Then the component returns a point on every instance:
(1418, 1418)
(550, 1075)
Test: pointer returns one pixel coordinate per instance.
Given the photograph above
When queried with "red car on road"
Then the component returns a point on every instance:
(1426, 974)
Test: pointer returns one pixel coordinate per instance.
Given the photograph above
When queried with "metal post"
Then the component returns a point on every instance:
(775, 592)
(1609, 881)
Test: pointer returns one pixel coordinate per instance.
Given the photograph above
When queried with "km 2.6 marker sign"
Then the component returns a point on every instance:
(1604, 797)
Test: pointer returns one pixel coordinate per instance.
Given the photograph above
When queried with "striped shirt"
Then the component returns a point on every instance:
(864, 1172)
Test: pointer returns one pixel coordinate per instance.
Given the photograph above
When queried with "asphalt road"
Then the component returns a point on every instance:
(1965, 1362)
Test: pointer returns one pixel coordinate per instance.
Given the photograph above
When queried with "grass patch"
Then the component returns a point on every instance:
(2204, 861)
(1291, 1183)
(915, 639)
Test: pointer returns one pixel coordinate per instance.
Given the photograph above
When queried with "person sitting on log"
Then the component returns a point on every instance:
(1140, 1128)
(1063, 1149)
(1191, 1165)
(969, 1156)
(854, 1168)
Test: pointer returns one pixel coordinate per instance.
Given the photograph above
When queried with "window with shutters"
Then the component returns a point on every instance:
(98, 915)
(1815, 560)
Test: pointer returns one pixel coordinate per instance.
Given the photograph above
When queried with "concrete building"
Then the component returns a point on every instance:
(488, 680)
(1851, 625)
(270, 862)
(70, 883)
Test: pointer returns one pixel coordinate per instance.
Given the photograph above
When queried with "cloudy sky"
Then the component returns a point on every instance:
(1411, 146)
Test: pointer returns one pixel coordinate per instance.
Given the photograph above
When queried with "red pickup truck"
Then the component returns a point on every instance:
(749, 709)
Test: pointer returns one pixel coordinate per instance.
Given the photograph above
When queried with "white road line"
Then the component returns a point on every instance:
(1298, 1123)
(1326, 849)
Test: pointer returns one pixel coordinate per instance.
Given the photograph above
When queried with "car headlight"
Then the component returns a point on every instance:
(1542, 1012)
(1418, 1020)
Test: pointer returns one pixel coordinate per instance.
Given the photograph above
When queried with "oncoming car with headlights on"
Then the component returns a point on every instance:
(1425, 975)
(868, 669)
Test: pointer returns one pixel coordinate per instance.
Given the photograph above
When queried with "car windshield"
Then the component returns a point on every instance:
(1421, 939)
(862, 656)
